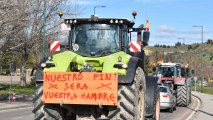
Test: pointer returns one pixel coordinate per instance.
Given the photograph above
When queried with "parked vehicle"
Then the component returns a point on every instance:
(167, 99)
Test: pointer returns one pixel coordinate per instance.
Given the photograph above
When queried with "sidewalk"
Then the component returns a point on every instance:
(21, 101)
(15, 79)
(205, 111)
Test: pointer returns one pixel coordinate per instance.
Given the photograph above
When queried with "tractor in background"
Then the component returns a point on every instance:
(178, 78)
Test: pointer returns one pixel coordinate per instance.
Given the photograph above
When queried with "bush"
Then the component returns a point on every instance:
(189, 47)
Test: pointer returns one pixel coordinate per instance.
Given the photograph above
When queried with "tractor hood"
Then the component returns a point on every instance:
(69, 61)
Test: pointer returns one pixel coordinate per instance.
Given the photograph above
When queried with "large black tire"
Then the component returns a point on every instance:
(131, 99)
(190, 95)
(156, 115)
(189, 90)
(41, 111)
(182, 96)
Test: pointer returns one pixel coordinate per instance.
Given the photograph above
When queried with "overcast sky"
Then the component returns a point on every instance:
(169, 19)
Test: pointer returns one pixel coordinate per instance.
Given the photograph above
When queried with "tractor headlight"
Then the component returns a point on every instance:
(120, 66)
(43, 65)
(111, 21)
(75, 21)
(124, 66)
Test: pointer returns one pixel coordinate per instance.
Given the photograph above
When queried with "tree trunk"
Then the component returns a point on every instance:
(23, 80)
(23, 74)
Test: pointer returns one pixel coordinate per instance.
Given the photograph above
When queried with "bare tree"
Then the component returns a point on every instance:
(21, 28)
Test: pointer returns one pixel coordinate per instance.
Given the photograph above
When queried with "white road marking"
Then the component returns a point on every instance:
(198, 105)
(16, 118)
(14, 109)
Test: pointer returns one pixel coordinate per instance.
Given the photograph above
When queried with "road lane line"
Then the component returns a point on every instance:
(13, 109)
(197, 107)
(16, 118)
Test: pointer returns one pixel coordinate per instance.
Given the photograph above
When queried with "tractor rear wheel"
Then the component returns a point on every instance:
(189, 90)
(182, 96)
(131, 99)
(156, 115)
(190, 95)
(41, 111)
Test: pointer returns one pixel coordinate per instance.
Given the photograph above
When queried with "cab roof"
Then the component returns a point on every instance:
(93, 19)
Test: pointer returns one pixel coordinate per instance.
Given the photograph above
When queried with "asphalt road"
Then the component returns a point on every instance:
(17, 114)
(181, 113)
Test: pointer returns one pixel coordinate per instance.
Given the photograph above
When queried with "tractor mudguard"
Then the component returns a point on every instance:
(39, 70)
(152, 92)
(133, 63)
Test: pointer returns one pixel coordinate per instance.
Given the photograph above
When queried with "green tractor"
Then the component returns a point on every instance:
(98, 77)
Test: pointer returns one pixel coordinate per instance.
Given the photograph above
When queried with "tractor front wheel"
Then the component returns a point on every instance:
(131, 99)
(41, 111)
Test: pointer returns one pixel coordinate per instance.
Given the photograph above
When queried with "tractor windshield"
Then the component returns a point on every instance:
(166, 72)
(95, 39)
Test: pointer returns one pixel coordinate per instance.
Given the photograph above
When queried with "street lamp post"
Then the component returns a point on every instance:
(97, 7)
(201, 71)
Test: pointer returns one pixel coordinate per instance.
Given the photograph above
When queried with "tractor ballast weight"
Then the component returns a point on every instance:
(104, 57)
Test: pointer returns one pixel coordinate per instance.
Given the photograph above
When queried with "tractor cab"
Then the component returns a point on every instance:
(169, 71)
(96, 37)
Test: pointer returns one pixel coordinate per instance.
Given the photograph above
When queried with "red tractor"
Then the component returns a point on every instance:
(177, 77)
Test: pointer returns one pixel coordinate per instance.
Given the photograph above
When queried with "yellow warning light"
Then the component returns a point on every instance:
(147, 25)
(60, 14)
(134, 13)
(187, 65)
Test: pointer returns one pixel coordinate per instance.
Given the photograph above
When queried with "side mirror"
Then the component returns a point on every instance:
(146, 35)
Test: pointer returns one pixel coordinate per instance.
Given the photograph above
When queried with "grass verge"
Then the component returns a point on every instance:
(19, 90)
(207, 90)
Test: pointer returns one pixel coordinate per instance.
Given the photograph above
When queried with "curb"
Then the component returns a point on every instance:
(196, 109)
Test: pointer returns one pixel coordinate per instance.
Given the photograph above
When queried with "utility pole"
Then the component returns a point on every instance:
(201, 55)
(44, 30)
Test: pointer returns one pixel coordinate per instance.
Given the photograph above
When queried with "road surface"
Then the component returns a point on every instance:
(17, 114)
(181, 113)
(25, 113)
